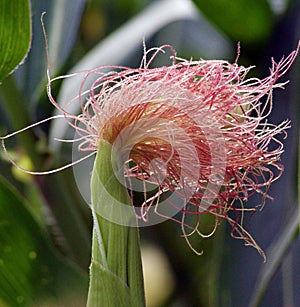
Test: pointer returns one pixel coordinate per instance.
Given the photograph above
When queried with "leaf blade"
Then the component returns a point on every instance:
(31, 272)
(15, 34)
(243, 20)
(275, 256)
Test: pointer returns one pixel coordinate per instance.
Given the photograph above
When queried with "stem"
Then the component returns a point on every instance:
(116, 259)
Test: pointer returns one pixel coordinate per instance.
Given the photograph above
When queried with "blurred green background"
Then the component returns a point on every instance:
(45, 224)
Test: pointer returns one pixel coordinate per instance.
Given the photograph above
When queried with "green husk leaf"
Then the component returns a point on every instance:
(107, 288)
(116, 260)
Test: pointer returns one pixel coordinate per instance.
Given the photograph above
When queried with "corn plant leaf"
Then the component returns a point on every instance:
(15, 34)
(242, 20)
(31, 272)
(62, 20)
(275, 256)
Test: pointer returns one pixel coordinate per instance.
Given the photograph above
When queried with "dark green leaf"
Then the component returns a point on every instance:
(31, 273)
(15, 34)
(242, 20)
